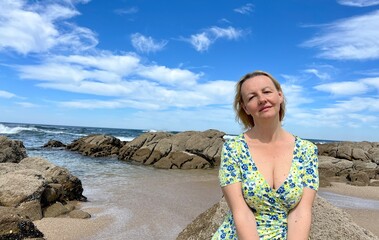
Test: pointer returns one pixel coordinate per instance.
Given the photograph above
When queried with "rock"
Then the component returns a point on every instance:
(70, 184)
(324, 182)
(96, 145)
(55, 210)
(11, 150)
(54, 144)
(20, 185)
(374, 183)
(328, 222)
(79, 214)
(359, 178)
(185, 150)
(16, 227)
(29, 186)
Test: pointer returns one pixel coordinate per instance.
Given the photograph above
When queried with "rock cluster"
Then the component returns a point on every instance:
(31, 188)
(354, 162)
(184, 150)
(328, 222)
(96, 145)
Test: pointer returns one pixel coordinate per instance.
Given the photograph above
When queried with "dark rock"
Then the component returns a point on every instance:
(55, 210)
(16, 227)
(96, 145)
(11, 150)
(79, 214)
(54, 144)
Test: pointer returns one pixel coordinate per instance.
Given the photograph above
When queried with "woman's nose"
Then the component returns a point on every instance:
(261, 99)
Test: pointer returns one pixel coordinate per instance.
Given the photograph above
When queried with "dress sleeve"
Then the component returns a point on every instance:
(229, 171)
(310, 178)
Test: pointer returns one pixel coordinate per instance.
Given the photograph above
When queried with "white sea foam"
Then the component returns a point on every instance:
(128, 139)
(150, 130)
(14, 130)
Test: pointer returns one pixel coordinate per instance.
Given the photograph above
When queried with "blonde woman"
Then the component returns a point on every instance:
(268, 176)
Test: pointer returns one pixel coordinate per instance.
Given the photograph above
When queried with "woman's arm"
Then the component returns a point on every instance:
(300, 218)
(244, 218)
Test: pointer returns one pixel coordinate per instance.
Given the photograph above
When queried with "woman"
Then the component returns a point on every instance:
(268, 176)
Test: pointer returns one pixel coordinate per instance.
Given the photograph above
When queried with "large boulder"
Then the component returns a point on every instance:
(11, 150)
(97, 145)
(353, 162)
(14, 226)
(33, 184)
(328, 222)
(185, 150)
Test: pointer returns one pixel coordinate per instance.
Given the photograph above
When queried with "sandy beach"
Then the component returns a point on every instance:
(161, 207)
(367, 215)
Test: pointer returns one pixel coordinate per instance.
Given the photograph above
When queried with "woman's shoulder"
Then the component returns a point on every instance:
(234, 141)
(305, 143)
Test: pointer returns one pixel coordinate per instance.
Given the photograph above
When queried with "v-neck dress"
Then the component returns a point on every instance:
(270, 206)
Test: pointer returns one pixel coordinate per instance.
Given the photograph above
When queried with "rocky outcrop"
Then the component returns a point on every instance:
(328, 222)
(356, 163)
(96, 145)
(14, 226)
(11, 150)
(30, 189)
(33, 184)
(185, 150)
(54, 144)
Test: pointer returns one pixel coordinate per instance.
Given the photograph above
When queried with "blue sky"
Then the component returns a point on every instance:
(173, 65)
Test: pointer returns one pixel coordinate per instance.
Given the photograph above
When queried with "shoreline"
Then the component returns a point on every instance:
(160, 209)
(163, 208)
(366, 216)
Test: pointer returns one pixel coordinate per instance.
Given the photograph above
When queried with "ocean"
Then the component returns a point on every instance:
(143, 202)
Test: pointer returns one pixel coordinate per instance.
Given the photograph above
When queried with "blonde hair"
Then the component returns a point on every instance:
(241, 115)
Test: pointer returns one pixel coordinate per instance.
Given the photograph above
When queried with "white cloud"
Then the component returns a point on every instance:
(164, 75)
(295, 95)
(359, 3)
(220, 117)
(245, 9)
(317, 73)
(360, 112)
(36, 28)
(146, 44)
(111, 104)
(27, 104)
(5, 94)
(371, 82)
(124, 77)
(343, 88)
(351, 38)
(126, 11)
(202, 41)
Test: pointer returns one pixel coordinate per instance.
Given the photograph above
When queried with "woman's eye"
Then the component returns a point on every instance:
(251, 97)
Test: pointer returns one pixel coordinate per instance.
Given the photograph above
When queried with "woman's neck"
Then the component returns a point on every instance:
(268, 132)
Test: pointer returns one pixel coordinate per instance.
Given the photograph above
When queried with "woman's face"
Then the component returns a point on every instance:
(260, 98)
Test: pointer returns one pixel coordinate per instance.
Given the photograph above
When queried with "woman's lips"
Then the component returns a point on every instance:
(264, 108)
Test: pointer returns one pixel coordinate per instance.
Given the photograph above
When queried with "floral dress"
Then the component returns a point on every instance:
(270, 206)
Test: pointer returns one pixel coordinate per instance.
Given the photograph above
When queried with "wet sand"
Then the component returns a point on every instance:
(161, 206)
(362, 203)
(156, 207)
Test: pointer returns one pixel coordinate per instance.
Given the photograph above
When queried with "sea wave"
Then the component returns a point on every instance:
(14, 130)
(127, 139)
